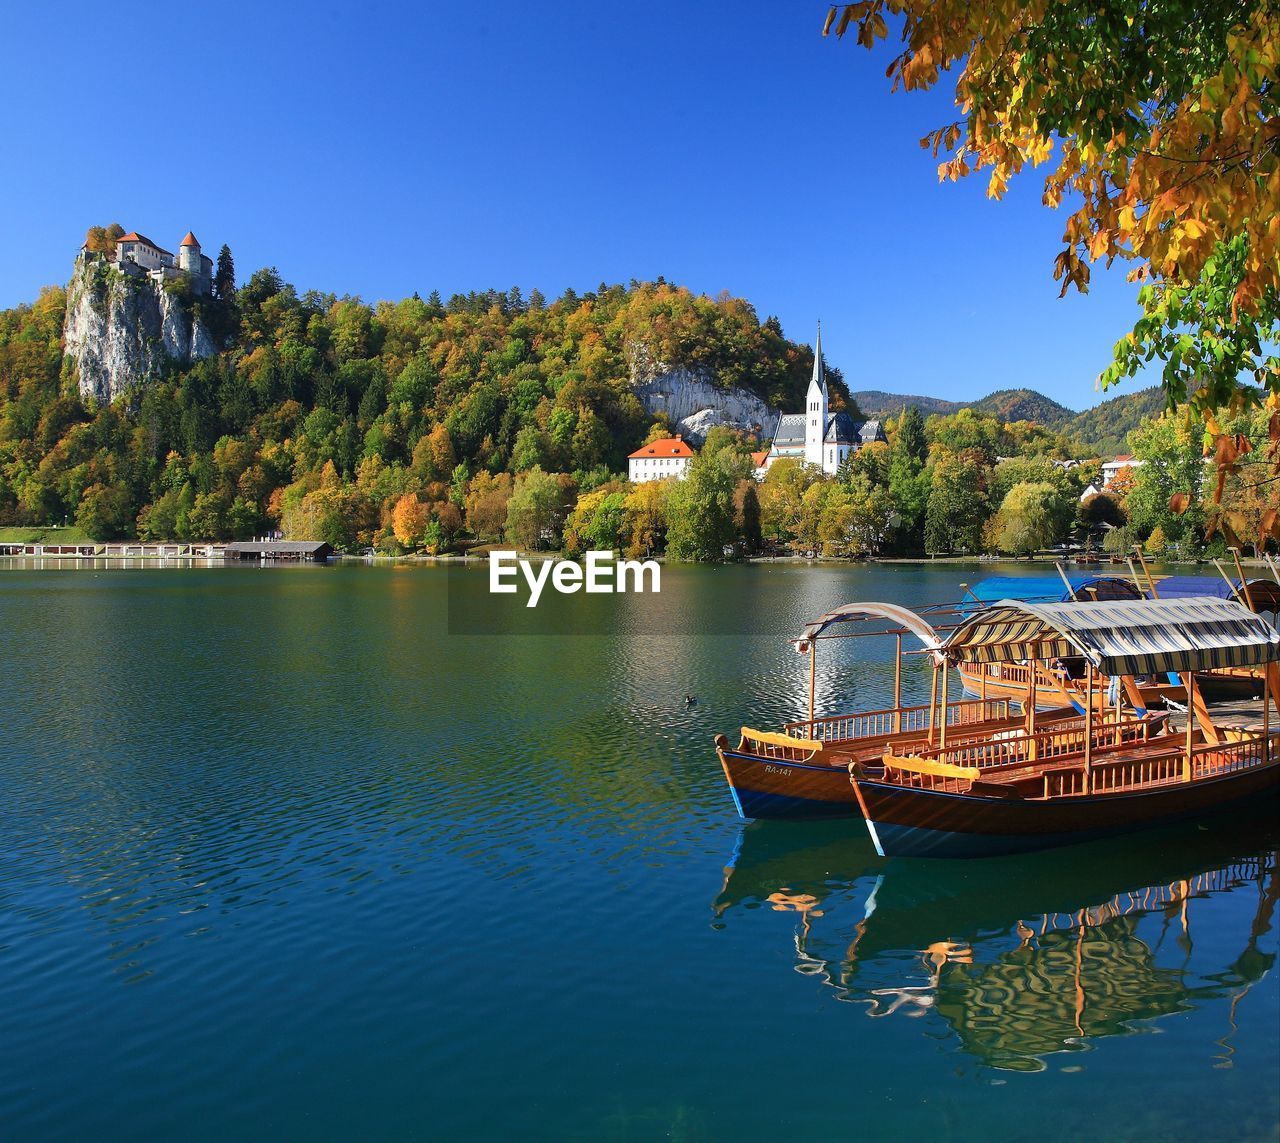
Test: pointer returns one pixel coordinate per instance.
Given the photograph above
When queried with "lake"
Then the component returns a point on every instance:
(290, 852)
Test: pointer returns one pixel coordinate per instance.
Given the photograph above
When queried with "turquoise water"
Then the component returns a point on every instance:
(280, 855)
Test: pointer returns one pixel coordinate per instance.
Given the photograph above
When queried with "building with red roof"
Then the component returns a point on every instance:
(659, 460)
(138, 255)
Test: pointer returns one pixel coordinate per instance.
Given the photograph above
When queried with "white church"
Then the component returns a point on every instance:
(817, 436)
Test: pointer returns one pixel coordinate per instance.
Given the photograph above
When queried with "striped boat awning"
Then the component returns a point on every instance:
(1119, 637)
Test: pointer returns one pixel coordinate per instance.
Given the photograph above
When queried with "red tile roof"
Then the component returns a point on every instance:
(134, 236)
(758, 458)
(668, 446)
(190, 240)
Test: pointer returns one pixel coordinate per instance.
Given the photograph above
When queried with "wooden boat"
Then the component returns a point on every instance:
(1054, 784)
(1061, 684)
(802, 771)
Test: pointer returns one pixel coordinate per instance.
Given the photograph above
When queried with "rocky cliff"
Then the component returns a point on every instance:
(693, 402)
(122, 329)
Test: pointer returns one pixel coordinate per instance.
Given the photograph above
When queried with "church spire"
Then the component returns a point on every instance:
(819, 373)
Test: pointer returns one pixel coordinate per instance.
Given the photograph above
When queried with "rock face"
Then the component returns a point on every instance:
(123, 329)
(693, 402)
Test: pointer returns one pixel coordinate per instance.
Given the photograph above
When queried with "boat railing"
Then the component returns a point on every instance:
(1016, 673)
(1107, 777)
(1006, 748)
(896, 720)
(1213, 759)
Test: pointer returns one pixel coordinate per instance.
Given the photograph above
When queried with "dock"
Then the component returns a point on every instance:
(292, 551)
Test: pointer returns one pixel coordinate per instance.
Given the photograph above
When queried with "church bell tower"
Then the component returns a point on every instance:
(815, 409)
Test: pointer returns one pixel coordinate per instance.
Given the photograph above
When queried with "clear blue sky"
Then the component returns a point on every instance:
(380, 149)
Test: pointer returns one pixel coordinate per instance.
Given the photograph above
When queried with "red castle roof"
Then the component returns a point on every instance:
(190, 240)
(134, 236)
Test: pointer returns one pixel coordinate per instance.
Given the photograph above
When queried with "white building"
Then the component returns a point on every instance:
(1114, 468)
(659, 460)
(137, 254)
(817, 436)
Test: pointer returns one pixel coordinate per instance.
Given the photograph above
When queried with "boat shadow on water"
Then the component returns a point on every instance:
(1024, 957)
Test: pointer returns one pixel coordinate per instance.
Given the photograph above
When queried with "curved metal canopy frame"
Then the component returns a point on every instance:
(898, 616)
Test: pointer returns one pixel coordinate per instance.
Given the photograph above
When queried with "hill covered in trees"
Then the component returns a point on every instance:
(320, 412)
(426, 425)
(1007, 404)
(1105, 427)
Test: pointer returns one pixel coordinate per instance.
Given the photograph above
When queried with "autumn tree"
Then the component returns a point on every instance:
(486, 504)
(644, 518)
(1166, 118)
(409, 520)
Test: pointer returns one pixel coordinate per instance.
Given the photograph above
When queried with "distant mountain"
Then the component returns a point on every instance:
(1105, 427)
(1024, 405)
(1007, 404)
(1102, 428)
(877, 403)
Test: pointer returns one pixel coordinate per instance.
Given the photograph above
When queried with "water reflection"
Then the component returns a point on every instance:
(1021, 959)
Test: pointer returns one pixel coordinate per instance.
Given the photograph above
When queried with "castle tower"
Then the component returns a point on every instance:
(815, 409)
(189, 255)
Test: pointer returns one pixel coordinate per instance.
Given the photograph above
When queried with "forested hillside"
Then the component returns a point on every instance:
(426, 425)
(322, 412)
(1024, 405)
(1007, 404)
(1105, 427)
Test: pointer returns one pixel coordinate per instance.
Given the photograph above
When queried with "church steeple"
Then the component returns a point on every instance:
(815, 415)
(819, 373)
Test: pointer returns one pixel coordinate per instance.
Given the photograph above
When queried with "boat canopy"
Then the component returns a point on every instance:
(898, 618)
(1051, 589)
(1142, 637)
(1265, 593)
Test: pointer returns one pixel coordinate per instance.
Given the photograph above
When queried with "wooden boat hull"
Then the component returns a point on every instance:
(771, 788)
(908, 822)
(768, 788)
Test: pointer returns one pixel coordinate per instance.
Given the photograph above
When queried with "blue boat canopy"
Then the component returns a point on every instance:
(1263, 593)
(1051, 589)
(1119, 637)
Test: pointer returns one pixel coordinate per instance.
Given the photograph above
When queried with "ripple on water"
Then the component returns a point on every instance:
(279, 831)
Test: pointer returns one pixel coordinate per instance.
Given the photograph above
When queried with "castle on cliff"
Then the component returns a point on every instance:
(137, 255)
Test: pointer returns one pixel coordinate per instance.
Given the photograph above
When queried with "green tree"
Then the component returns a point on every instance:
(700, 509)
(1169, 448)
(224, 276)
(536, 511)
(908, 480)
(1030, 519)
(957, 507)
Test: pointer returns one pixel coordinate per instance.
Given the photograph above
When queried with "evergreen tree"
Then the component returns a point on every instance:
(224, 276)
